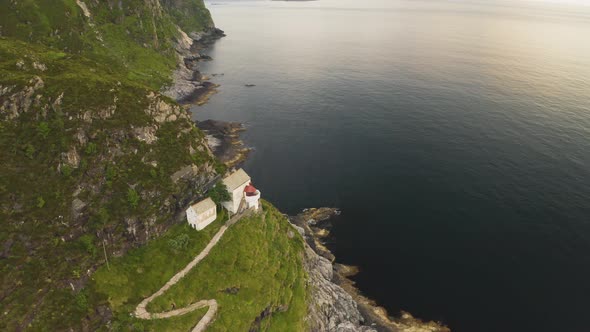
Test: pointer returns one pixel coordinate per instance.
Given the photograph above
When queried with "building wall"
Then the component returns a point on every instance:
(252, 201)
(205, 218)
(201, 221)
(237, 196)
(191, 216)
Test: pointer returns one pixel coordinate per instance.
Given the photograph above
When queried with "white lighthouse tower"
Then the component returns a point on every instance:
(252, 196)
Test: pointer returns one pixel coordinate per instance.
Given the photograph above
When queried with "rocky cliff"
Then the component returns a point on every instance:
(330, 307)
(334, 303)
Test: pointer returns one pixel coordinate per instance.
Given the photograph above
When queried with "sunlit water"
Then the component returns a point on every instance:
(454, 135)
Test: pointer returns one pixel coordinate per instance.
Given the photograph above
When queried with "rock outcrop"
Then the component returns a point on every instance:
(224, 141)
(330, 307)
(189, 85)
(335, 304)
(13, 105)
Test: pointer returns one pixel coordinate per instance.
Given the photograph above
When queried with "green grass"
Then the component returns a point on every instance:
(129, 37)
(256, 255)
(133, 276)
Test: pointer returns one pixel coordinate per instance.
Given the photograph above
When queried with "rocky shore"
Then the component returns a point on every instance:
(189, 86)
(224, 141)
(335, 303)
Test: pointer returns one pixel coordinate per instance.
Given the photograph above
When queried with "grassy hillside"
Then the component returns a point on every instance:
(91, 150)
(133, 37)
(191, 15)
(256, 258)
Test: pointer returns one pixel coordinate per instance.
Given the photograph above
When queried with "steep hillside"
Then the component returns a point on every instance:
(95, 160)
(190, 15)
(255, 273)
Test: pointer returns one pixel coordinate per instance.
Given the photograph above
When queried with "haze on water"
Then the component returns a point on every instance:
(454, 135)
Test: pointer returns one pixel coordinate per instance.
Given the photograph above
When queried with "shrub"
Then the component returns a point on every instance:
(30, 151)
(99, 220)
(87, 242)
(219, 193)
(40, 202)
(111, 172)
(66, 170)
(133, 197)
(180, 242)
(43, 129)
(82, 301)
(91, 148)
(220, 168)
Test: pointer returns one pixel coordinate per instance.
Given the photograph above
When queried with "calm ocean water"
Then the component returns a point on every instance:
(454, 135)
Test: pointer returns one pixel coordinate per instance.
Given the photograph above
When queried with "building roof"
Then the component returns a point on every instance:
(204, 205)
(236, 179)
(250, 188)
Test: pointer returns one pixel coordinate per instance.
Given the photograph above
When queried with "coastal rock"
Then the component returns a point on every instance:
(335, 303)
(330, 308)
(300, 230)
(208, 36)
(188, 85)
(223, 140)
(183, 41)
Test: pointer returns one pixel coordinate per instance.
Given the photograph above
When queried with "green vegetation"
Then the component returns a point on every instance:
(190, 15)
(78, 186)
(181, 242)
(132, 37)
(132, 277)
(219, 193)
(133, 197)
(80, 85)
(255, 258)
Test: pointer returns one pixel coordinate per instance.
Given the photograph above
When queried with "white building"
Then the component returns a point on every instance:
(201, 214)
(236, 184)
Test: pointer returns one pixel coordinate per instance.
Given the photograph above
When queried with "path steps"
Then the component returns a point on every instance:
(141, 311)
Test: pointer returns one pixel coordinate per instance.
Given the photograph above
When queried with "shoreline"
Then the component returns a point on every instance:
(190, 87)
(315, 223)
(224, 141)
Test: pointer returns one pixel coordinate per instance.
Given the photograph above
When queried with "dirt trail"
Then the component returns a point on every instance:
(141, 311)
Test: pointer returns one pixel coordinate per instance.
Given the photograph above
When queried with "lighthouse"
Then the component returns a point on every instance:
(252, 196)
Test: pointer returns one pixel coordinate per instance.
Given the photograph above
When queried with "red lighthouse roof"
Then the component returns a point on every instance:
(250, 190)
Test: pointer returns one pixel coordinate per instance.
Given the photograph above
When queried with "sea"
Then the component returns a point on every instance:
(454, 135)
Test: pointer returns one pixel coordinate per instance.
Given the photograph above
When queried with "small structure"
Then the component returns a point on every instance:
(201, 214)
(240, 188)
(252, 196)
(235, 183)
